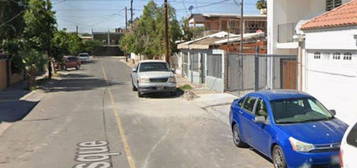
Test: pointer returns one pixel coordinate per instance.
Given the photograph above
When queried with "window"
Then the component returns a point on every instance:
(299, 111)
(330, 4)
(240, 103)
(352, 137)
(317, 55)
(249, 104)
(326, 56)
(153, 66)
(261, 109)
(336, 56)
(347, 56)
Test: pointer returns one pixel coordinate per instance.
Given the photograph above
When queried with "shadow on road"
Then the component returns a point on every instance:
(77, 82)
(178, 93)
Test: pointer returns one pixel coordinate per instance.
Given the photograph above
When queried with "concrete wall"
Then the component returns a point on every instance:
(338, 38)
(3, 74)
(215, 84)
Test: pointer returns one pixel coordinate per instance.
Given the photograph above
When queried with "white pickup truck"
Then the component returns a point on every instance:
(152, 76)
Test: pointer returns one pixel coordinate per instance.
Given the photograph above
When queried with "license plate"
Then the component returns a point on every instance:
(335, 160)
(160, 88)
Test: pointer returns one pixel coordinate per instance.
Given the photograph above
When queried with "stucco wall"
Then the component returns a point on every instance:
(339, 38)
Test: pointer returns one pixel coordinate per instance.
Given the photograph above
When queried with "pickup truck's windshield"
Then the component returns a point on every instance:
(299, 110)
(153, 66)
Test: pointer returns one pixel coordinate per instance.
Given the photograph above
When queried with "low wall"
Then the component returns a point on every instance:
(216, 84)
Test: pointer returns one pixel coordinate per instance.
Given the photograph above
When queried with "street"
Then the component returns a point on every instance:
(91, 118)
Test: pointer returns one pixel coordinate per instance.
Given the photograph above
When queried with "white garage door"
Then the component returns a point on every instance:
(332, 78)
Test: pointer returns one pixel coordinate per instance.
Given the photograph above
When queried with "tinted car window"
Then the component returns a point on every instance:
(261, 109)
(153, 66)
(299, 110)
(72, 59)
(352, 137)
(249, 104)
(241, 101)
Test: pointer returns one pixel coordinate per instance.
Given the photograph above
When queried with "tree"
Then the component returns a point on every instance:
(40, 28)
(11, 20)
(190, 33)
(146, 36)
(261, 4)
(90, 45)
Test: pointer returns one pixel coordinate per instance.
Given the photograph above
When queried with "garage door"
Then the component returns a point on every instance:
(332, 78)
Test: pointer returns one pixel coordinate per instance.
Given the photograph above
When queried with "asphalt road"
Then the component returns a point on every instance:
(92, 119)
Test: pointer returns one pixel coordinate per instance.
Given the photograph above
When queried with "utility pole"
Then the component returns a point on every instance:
(241, 27)
(126, 18)
(77, 29)
(131, 11)
(167, 55)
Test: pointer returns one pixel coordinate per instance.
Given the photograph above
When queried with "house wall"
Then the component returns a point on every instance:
(3, 74)
(332, 81)
(339, 38)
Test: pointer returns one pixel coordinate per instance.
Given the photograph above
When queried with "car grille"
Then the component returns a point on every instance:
(158, 79)
(327, 148)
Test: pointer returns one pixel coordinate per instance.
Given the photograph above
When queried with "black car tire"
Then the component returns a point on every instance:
(278, 157)
(236, 137)
(77, 67)
(140, 94)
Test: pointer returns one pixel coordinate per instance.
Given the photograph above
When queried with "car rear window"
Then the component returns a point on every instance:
(352, 136)
(72, 59)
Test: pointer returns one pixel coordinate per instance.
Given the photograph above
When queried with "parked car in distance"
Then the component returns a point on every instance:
(153, 76)
(72, 62)
(290, 127)
(84, 57)
(348, 153)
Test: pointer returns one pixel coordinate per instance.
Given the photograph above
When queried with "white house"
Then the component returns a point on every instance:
(322, 33)
(330, 60)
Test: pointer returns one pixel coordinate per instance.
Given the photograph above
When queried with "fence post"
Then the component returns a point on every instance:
(256, 67)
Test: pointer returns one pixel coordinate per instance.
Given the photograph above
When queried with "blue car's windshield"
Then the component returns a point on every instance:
(299, 110)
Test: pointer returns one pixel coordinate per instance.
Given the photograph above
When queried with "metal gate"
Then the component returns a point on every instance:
(248, 72)
(185, 64)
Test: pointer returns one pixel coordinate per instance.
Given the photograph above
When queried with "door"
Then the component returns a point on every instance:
(288, 74)
(261, 133)
(247, 118)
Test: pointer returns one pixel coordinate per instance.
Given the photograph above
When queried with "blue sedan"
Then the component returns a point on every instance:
(292, 128)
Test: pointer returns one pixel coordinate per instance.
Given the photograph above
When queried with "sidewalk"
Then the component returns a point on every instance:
(15, 104)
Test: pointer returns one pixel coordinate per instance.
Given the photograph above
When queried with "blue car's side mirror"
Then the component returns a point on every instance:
(333, 112)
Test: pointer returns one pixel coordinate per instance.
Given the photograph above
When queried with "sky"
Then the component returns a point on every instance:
(106, 15)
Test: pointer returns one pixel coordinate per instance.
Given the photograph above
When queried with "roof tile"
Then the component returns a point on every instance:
(344, 15)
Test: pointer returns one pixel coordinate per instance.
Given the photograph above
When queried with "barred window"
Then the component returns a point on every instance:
(317, 55)
(336, 56)
(347, 56)
(330, 4)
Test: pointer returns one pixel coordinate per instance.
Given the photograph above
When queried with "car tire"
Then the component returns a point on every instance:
(77, 67)
(140, 94)
(236, 137)
(278, 157)
(134, 88)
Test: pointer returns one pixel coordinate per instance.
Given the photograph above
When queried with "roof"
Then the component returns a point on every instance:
(277, 94)
(246, 36)
(226, 15)
(204, 42)
(344, 15)
(146, 61)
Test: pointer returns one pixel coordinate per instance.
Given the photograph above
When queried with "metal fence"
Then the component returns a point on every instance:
(214, 65)
(184, 64)
(247, 72)
(194, 61)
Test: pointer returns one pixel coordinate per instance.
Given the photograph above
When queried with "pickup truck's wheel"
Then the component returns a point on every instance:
(236, 137)
(140, 94)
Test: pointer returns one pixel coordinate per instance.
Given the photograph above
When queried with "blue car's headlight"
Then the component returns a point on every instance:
(300, 146)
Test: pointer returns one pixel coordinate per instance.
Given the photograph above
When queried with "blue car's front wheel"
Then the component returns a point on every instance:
(278, 157)
(236, 137)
